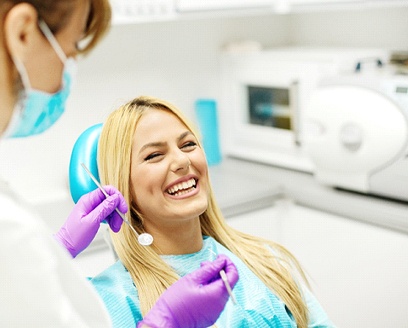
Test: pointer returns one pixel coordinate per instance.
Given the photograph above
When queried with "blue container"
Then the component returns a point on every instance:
(206, 112)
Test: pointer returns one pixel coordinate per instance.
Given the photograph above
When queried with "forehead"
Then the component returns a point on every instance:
(157, 125)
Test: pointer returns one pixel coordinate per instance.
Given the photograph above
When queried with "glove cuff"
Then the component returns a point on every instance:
(67, 246)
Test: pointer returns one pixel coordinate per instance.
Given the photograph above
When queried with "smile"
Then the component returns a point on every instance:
(182, 188)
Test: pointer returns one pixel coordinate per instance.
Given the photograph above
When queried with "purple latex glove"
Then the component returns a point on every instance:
(83, 223)
(196, 300)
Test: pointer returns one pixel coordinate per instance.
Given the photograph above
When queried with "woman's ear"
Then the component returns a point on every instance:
(21, 30)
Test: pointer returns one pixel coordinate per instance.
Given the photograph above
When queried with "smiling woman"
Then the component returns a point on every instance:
(162, 177)
(152, 154)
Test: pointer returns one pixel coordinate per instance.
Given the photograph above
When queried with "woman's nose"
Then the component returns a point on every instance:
(180, 161)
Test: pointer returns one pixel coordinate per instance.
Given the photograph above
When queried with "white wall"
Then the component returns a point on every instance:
(177, 61)
(377, 27)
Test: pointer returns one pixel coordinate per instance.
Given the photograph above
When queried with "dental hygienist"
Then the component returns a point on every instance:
(40, 286)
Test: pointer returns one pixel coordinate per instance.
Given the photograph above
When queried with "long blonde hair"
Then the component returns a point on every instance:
(151, 277)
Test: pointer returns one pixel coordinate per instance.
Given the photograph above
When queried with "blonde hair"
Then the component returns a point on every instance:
(152, 276)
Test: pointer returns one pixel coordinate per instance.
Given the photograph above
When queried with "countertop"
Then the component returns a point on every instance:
(242, 186)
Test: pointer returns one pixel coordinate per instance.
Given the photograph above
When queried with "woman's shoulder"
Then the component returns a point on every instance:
(112, 277)
(115, 286)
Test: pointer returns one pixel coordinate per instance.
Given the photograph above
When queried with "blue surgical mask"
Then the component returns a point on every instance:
(35, 111)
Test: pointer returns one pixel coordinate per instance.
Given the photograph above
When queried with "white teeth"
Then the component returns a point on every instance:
(180, 187)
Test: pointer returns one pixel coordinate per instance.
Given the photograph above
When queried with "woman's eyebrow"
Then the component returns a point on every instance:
(183, 135)
(161, 144)
(151, 144)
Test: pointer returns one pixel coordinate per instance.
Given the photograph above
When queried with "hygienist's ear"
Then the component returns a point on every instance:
(21, 30)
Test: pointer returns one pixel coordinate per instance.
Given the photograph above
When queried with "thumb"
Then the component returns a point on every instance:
(209, 271)
(105, 208)
(122, 206)
(231, 272)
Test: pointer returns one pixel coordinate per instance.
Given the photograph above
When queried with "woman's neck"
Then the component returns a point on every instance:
(178, 240)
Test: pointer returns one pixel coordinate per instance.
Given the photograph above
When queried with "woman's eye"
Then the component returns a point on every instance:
(152, 156)
(189, 144)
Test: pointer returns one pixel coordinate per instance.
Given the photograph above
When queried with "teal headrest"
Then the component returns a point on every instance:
(85, 151)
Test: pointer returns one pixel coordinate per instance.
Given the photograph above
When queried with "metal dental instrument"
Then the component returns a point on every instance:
(144, 239)
(226, 282)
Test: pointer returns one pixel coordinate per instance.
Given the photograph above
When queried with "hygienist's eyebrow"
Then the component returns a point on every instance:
(161, 144)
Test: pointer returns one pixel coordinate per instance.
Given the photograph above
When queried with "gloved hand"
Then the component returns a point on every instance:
(83, 223)
(196, 300)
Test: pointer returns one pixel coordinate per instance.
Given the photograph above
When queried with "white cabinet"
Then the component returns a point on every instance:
(141, 11)
(358, 272)
(194, 5)
(265, 223)
(327, 3)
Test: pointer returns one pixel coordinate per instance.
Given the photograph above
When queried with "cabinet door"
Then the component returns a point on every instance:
(199, 5)
(358, 272)
(263, 223)
(314, 2)
(341, 4)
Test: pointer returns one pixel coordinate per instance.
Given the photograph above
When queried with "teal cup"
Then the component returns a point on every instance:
(206, 113)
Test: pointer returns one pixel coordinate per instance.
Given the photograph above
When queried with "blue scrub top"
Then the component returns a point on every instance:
(256, 305)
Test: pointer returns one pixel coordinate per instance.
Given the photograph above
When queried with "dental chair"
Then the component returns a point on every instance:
(85, 151)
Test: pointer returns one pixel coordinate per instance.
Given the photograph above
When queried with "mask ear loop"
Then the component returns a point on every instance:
(19, 106)
(52, 40)
(69, 63)
(23, 73)
(55, 45)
